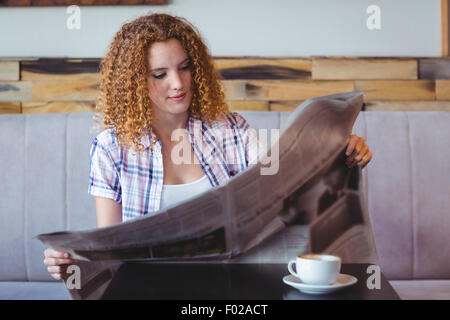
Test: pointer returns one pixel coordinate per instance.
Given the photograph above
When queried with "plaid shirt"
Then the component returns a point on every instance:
(222, 148)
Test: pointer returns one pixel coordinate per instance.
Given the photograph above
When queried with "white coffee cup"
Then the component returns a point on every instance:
(319, 269)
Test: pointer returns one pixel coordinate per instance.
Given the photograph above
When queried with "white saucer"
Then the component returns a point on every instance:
(343, 280)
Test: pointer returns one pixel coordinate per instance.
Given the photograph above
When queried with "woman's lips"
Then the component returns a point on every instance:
(179, 97)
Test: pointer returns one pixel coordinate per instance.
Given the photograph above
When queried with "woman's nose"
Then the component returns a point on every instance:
(176, 81)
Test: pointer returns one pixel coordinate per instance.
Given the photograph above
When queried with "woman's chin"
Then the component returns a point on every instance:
(178, 108)
(178, 111)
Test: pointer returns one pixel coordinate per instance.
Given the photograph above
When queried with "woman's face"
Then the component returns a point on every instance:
(169, 78)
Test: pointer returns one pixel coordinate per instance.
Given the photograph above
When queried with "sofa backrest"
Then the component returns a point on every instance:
(45, 165)
(44, 174)
(408, 185)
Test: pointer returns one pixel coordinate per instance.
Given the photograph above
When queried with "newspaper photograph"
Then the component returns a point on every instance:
(303, 199)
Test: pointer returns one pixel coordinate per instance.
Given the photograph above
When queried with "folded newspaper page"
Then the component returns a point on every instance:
(299, 197)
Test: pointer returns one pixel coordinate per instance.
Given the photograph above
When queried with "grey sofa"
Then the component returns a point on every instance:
(44, 173)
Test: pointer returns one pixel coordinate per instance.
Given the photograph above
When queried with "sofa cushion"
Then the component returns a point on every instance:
(24, 290)
(422, 289)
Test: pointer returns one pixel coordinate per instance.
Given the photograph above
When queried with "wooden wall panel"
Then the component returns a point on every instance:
(282, 89)
(347, 69)
(434, 68)
(57, 107)
(388, 105)
(430, 105)
(10, 107)
(15, 91)
(65, 90)
(264, 69)
(248, 105)
(283, 106)
(61, 69)
(396, 89)
(9, 70)
(259, 84)
(443, 89)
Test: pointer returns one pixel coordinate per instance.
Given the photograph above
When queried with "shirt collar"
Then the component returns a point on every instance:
(147, 139)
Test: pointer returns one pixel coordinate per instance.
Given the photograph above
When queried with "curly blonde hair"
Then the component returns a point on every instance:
(124, 101)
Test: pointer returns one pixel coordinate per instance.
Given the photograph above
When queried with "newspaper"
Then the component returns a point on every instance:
(304, 199)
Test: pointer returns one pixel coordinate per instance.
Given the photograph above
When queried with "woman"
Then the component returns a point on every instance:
(157, 79)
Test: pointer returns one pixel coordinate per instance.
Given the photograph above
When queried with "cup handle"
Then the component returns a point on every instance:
(291, 269)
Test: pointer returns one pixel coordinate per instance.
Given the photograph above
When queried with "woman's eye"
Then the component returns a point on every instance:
(162, 75)
(159, 76)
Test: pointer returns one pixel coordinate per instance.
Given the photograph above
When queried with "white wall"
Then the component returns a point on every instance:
(238, 28)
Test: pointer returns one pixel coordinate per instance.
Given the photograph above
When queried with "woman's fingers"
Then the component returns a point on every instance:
(361, 154)
(354, 146)
(358, 146)
(351, 144)
(56, 254)
(54, 269)
(57, 261)
(365, 160)
(56, 258)
(57, 269)
(57, 276)
(353, 149)
(357, 152)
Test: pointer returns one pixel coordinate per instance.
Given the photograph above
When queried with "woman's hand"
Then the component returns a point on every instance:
(357, 152)
(57, 262)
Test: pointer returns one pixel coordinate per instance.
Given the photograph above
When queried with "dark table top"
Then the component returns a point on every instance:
(229, 282)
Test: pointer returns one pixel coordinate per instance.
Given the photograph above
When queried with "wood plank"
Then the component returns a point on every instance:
(434, 68)
(442, 89)
(65, 90)
(369, 69)
(57, 107)
(61, 69)
(264, 68)
(430, 105)
(9, 70)
(284, 106)
(47, 3)
(445, 16)
(282, 89)
(11, 91)
(396, 89)
(248, 105)
(10, 107)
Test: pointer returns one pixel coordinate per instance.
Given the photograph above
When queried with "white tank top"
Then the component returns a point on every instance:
(175, 193)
